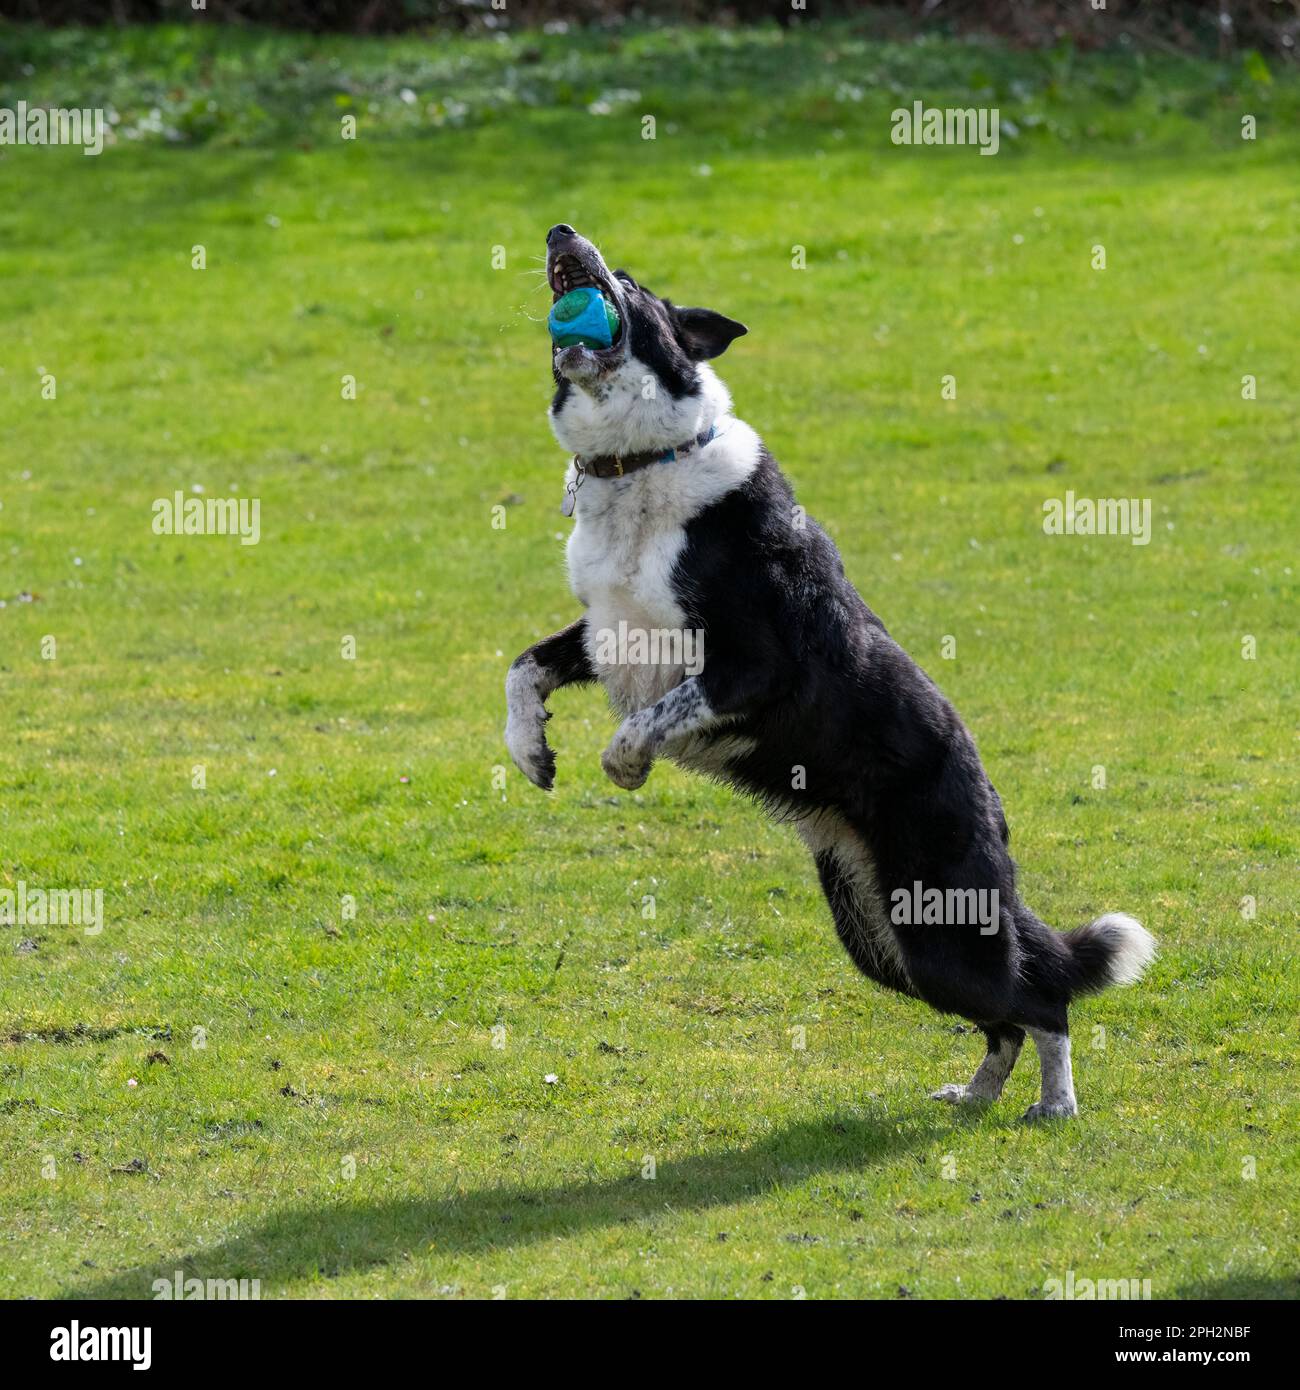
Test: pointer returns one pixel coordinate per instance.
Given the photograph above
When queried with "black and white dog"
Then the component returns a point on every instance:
(684, 524)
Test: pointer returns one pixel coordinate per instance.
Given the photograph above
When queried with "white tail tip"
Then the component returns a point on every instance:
(1132, 947)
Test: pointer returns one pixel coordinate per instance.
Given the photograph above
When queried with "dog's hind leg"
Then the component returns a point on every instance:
(1005, 1041)
(1057, 1100)
(848, 882)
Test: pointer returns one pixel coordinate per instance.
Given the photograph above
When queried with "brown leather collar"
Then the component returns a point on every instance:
(618, 465)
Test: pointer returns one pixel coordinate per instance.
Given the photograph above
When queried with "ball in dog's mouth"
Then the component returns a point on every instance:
(585, 325)
(584, 316)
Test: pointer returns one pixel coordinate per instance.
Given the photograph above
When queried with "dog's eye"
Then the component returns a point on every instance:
(625, 278)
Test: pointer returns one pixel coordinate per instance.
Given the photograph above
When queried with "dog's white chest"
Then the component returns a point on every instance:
(621, 554)
(628, 537)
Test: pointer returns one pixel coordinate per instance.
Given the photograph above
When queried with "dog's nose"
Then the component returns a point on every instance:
(559, 232)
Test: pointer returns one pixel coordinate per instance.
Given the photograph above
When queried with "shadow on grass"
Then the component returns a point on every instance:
(1243, 1286)
(342, 1237)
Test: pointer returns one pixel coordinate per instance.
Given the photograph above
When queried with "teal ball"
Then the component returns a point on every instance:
(583, 318)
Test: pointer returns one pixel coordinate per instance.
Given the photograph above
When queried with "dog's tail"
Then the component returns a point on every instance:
(1113, 950)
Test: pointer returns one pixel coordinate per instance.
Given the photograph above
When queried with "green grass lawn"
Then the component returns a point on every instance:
(345, 1122)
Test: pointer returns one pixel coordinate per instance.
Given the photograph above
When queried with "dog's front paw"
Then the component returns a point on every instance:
(526, 718)
(532, 755)
(627, 759)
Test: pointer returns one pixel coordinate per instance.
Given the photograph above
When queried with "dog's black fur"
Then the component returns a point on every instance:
(800, 673)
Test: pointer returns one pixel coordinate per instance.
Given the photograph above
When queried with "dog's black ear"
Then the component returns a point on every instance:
(702, 333)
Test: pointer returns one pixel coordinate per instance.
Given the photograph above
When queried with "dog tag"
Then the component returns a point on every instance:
(571, 492)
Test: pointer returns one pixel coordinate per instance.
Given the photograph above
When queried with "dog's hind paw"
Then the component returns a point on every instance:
(956, 1094)
(1042, 1110)
(953, 1094)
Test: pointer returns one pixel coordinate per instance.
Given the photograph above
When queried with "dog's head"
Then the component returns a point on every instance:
(649, 386)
